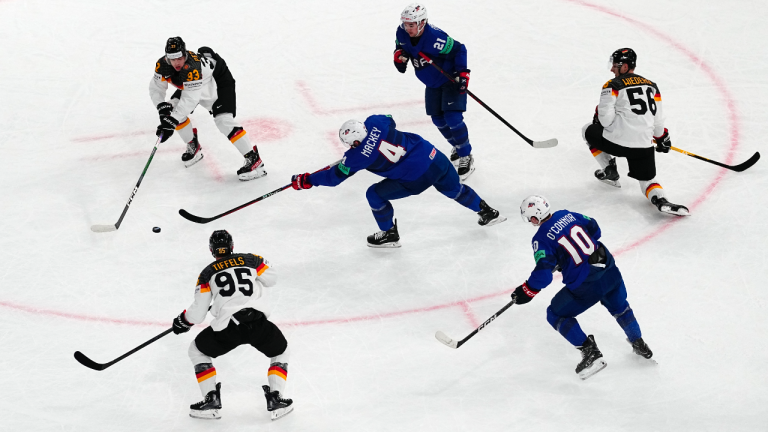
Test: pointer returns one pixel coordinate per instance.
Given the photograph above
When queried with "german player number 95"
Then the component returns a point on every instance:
(224, 279)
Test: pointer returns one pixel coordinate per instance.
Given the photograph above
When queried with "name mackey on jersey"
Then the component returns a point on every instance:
(232, 283)
(446, 52)
(566, 240)
(385, 151)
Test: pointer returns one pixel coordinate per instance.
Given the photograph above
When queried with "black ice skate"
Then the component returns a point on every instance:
(385, 239)
(253, 167)
(665, 206)
(193, 154)
(466, 167)
(209, 408)
(609, 175)
(277, 406)
(454, 158)
(640, 348)
(591, 359)
(488, 216)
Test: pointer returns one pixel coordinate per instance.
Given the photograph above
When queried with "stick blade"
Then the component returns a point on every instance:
(545, 144)
(103, 228)
(192, 218)
(748, 163)
(85, 361)
(445, 340)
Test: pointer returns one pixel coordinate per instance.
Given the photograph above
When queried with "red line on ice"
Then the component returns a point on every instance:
(464, 304)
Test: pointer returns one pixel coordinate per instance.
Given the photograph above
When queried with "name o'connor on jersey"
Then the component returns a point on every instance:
(559, 225)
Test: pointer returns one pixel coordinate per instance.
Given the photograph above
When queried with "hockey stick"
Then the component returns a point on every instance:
(108, 228)
(204, 220)
(445, 340)
(535, 144)
(738, 168)
(85, 361)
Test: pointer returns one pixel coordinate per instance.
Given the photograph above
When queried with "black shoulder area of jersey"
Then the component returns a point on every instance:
(163, 68)
(232, 261)
(629, 80)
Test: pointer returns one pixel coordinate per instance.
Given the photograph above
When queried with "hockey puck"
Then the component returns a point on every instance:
(156, 229)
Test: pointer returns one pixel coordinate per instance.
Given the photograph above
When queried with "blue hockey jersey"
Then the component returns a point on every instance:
(385, 151)
(565, 241)
(446, 52)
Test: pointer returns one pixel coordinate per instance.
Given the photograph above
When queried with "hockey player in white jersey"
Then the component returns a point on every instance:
(200, 78)
(236, 285)
(627, 123)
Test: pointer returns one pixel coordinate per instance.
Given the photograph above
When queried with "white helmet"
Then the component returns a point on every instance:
(352, 133)
(535, 206)
(414, 13)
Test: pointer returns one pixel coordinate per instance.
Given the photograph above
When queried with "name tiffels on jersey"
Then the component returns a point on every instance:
(232, 262)
(370, 143)
(559, 225)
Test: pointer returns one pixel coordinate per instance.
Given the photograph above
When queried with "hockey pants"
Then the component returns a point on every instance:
(440, 174)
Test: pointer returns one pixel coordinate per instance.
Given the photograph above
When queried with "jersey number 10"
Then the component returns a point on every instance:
(581, 239)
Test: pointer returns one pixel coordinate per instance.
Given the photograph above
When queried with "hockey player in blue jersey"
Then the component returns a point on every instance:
(569, 242)
(445, 101)
(409, 165)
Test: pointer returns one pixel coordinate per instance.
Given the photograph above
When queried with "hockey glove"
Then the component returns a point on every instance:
(401, 60)
(180, 324)
(463, 80)
(301, 181)
(164, 109)
(167, 126)
(663, 143)
(595, 119)
(523, 294)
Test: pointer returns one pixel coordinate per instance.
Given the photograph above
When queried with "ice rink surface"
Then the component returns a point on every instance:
(77, 127)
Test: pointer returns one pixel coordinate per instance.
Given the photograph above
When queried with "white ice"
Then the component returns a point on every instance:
(76, 128)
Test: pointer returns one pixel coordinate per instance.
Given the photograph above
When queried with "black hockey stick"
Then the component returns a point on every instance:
(108, 228)
(445, 340)
(204, 220)
(535, 144)
(738, 168)
(85, 361)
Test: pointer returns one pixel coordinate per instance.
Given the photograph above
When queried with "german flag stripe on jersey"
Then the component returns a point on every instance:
(277, 370)
(204, 375)
(261, 269)
(595, 152)
(657, 96)
(651, 187)
(239, 134)
(204, 288)
(183, 125)
(615, 92)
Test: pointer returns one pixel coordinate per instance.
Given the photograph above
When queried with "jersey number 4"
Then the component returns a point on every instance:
(639, 107)
(243, 283)
(391, 151)
(581, 239)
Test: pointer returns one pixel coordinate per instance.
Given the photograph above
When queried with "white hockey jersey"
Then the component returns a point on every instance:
(630, 111)
(236, 282)
(195, 79)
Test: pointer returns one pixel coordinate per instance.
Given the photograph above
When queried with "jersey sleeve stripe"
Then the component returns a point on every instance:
(657, 97)
(615, 92)
(261, 269)
(204, 288)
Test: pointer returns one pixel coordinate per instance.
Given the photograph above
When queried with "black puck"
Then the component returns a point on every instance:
(156, 229)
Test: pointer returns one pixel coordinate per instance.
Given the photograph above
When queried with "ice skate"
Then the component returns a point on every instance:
(208, 408)
(194, 153)
(466, 167)
(665, 206)
(488, 216)
(455, 158)
(640, 348)
(609, 175)
(253, 167)
(385, 239)
(277, 406)
(591, 359)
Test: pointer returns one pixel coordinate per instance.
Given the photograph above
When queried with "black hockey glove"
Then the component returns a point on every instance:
(164, 109)
(595, 119)
(523, 294)
(401, 60)
(180, 324)
(663, 143)
(205, 51)
(167, 126)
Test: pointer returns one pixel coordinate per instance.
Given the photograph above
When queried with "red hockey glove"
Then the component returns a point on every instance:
(180, 324)
(663, 143)
(401, 56)
(301, 181)
(523, 294)
(463, 81)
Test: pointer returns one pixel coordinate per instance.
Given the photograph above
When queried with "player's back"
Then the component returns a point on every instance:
(637, 104)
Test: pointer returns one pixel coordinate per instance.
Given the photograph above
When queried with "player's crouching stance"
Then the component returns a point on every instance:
(235, 284)
(409, 164)
(201, 78)
(568, 241)
(630, 115)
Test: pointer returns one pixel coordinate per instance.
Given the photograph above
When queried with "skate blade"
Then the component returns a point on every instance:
(281, 412)
(678, 212)
(496, 221)
(596, 367)
(386, 245)
(466, 175)
(198, 157)
(257, 173)
(614, 183)
(206, 414)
